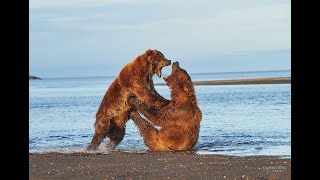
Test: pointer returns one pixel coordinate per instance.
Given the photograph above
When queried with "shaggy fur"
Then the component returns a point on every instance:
(134, 79)
(179, 120)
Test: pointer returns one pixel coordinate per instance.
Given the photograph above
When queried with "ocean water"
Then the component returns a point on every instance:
(241, 120)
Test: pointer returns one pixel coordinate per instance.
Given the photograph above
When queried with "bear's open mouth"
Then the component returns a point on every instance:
(158, 72)
(161, 65)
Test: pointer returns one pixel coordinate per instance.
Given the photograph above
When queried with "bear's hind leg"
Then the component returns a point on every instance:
(116, 135)
(117, 130)
(101, 130)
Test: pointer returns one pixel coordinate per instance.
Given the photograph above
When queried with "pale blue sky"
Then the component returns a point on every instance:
(79, 38)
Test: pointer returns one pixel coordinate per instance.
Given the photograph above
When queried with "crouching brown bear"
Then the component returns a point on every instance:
(179, 121)
(134, 79)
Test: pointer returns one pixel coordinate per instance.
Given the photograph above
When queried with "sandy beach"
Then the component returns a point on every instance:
(169, 165)
(275, 80)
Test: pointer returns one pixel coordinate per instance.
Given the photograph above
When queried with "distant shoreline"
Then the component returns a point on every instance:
(195, 73)
(273, 80)
(33, 77)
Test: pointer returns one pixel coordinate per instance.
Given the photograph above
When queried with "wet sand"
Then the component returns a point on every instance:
(170, 165)
(275, 80)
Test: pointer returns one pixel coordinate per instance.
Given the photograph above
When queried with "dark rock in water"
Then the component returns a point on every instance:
(33, 77)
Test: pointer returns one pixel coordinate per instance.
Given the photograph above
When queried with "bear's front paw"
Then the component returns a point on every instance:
(131, 95)
(132, 100)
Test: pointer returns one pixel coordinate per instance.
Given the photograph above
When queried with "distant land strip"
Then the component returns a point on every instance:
(33, 77)
(273, 80)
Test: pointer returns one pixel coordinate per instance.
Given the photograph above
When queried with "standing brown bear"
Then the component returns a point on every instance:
(134, 79)
(179, 121)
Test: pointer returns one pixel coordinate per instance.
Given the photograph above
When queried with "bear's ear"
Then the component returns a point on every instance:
(148, 52)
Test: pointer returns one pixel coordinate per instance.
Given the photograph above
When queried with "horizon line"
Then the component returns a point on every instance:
(73, 77)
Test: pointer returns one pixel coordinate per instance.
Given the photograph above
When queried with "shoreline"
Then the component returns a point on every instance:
(159, 165)
(273, 80)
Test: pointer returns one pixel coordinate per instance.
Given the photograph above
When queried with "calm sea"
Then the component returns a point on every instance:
(237, 120)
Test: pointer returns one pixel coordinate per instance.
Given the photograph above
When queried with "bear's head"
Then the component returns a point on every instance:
(158, 61)
(179, 81)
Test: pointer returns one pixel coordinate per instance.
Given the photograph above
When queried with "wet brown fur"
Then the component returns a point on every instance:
(134, 79)
(179, 120)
